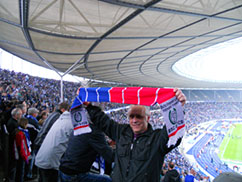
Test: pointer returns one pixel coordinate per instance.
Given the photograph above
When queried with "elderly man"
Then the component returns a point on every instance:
(140, 150)
(12, 125)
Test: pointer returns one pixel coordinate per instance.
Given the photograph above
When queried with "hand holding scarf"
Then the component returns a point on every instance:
(167, 98)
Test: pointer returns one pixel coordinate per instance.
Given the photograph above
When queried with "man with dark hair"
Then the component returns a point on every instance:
(171, 175)
(80, 155)
(64, 106)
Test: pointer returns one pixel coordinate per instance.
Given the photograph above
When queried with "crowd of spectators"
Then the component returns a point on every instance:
(198, 112)
(41, 93)
(44, 95)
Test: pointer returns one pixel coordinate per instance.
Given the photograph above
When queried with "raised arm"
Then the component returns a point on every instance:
(103, 122)
(180, 96)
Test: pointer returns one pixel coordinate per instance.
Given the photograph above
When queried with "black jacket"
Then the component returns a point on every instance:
(82, 151)
(135, 161)
(12, 125)
(172, 176)
(34, 129)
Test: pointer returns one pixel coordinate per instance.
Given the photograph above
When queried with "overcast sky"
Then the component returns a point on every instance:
(11, 62)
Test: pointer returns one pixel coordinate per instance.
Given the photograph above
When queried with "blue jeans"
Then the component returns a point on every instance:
(31, 164)
(83, 177)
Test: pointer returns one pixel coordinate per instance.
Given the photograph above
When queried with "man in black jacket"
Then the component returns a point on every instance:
(81, 152)
(171, 175)
(12, 125)
(140, 150)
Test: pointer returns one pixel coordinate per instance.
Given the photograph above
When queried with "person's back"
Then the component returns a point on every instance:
(171, 175)
(82, 151)
(174, 176)
(45, 128)
(53, 147)
(55, 143)
(51, 119)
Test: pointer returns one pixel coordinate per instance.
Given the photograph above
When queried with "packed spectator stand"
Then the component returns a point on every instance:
(44, 95)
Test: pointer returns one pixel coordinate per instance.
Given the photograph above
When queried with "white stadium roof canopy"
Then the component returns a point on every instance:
(134, 42)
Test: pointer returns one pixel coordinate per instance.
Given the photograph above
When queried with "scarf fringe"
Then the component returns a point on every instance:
(83, 130)
(173, 139)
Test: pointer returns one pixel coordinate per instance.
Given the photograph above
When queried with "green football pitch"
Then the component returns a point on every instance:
(231, 147)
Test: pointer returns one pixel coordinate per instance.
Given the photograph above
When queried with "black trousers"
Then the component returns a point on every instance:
(48, 175)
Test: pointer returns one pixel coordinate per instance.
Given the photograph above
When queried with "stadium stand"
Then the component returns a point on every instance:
(43, 94)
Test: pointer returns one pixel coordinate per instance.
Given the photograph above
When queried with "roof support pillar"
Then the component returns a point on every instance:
(61, 89)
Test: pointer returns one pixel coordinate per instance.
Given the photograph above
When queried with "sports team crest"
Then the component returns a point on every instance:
(77, 116)
(173, 116)
(80, 121)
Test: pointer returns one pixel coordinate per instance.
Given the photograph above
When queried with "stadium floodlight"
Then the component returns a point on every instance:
(219, 63)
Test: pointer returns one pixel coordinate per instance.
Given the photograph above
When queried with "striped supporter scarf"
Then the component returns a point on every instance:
(171, 108)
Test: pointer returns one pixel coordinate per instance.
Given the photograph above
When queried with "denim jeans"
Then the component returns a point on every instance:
(31, 165)
(83, 177)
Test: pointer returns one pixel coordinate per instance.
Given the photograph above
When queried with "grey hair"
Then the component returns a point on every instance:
(16, 111)
(32, 110)
(147, 109)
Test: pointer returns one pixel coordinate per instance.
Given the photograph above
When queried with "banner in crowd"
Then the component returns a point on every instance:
(170, 106)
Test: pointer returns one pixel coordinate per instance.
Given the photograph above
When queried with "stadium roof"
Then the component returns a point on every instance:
(134, 42)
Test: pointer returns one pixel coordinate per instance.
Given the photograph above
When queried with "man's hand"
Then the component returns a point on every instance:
(180, 96)
(77, 93)
(78, 90)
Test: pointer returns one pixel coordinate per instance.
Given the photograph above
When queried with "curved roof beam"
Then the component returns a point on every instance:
(126, 50)
(118, 65)
(140, 68)
(24, 7)
(117, 26)
(172, 11)
(202, 43)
